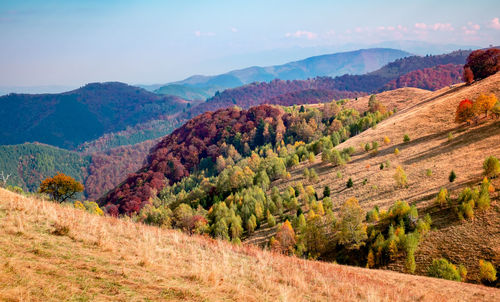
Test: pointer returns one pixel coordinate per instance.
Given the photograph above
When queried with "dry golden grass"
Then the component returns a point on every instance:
(51, 252)
(428, 122)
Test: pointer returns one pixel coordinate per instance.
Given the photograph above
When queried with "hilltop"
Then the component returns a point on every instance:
(53, 252)
(331, 65)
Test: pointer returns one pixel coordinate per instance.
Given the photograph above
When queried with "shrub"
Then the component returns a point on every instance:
(400, 177)
(450, 136)
(464, 111)
(387, 140)
(314, 175)
(396, 151)
(406, 138)
(381, 166)
(441, 268)
(428, 172)
(487, 271)
(491, 166)
(463, 272)
(349, 183)
(483, 202)
(442, 197)
(326, 191)
(339, 174)
(452, 176)
(270, 219)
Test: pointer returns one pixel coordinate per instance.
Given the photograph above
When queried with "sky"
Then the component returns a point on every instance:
(70, 43)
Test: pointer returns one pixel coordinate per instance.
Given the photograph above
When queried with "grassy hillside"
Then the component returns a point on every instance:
(51, 252)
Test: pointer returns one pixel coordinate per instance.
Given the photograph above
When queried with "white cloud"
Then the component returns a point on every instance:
(435, 27)
(302, 34)
(420, 26)
(470, 29)
(203, 34)
(495, 23)
(234, 29)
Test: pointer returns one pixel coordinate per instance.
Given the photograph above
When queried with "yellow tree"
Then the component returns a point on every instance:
(352, 230)
(61, 187)
(484, 103)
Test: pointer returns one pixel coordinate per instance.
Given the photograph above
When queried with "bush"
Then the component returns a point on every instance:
(400, 177)
(349, 183)
(442, 197)
(491, 166)
(463, 272)
(441, 268)
(396, 151)
(428, 172)
(270, 219)
(406, 138)
(387, 140)
(487, 271)
(452, 176)
(326, 191)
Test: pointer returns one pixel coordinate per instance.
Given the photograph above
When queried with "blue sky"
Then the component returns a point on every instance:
(75, 42)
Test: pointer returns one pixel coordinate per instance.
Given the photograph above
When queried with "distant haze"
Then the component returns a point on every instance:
(70, 43)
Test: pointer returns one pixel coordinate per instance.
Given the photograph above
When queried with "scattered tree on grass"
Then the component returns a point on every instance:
(352, 230)
(487, 271)
(442, 197)
(468, 75)
(441, 268)
(483, 63)
(484, 103)
(406, 138)
(452, 176)
(464, 111)
(349, 183)
(61, 187)
(286, 237)
(491, 167)
(400, 177)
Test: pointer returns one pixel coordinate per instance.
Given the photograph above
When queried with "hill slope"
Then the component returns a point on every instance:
(352, 62)
(52, 253)
(71, 118)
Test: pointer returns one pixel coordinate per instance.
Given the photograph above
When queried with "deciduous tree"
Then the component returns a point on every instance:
(61, 187)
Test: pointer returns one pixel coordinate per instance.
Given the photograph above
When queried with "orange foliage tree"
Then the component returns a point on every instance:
(61, 187)
(286, 237)
(464, 111)
(484, 103)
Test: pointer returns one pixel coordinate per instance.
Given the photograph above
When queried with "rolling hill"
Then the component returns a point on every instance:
(53, 252)
(353, 62)
(69, 119)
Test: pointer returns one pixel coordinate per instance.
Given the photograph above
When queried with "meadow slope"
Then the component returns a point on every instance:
(52, 252)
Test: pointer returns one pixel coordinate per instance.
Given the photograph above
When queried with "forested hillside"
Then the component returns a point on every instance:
(72, 118)
(29, 164)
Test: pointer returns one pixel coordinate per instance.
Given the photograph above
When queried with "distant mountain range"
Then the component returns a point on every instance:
(352, 62)
(69, 119)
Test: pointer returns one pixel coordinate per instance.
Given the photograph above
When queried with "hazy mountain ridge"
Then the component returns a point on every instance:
(352, 62)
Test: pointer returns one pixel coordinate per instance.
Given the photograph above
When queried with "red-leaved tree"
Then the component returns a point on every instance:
(464, 111)
(483, 63)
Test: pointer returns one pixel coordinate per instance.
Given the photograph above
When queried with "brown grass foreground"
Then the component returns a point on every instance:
(52, 252)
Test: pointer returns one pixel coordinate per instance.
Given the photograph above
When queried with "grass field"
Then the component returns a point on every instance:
(52, 252)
